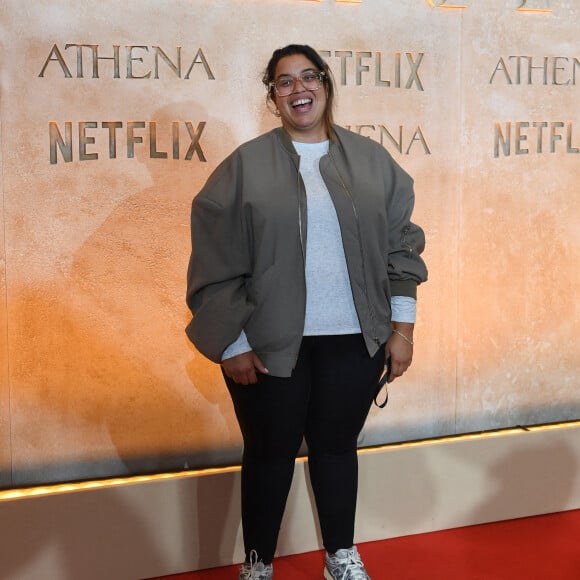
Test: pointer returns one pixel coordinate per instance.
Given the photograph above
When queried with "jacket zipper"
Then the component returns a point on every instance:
(301, 197)
(362, 252)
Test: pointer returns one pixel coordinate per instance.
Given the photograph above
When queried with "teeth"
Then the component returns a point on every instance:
(301, 102)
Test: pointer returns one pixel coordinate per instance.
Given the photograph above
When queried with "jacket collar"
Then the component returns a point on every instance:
(286, 140)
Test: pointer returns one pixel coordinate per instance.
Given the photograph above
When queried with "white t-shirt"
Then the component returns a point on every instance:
(329, 303)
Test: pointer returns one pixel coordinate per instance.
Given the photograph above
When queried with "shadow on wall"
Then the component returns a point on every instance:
(537, 480)
(110, 533)
(64, 533)
(105, 382)
(216, 531)
(543, 474)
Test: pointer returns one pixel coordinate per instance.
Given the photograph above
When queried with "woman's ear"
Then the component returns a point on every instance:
(271, 105)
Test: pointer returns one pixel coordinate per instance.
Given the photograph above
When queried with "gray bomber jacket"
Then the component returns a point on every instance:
(248, 229)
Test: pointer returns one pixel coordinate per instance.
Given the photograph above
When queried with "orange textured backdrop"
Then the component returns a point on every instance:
(96, 375)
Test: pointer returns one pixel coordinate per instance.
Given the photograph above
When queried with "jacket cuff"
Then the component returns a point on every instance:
(404, 288)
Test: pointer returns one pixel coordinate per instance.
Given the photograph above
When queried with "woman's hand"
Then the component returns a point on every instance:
(400, 350)
(242, 368)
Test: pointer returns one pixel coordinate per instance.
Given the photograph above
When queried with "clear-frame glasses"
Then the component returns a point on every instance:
(311, 80)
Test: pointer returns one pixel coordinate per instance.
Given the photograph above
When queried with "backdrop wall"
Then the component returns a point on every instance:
(112, 119)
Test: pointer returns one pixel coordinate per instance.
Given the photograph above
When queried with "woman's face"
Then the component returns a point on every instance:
(302, 111)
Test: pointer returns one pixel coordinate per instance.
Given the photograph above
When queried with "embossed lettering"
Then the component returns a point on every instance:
(84, 139)
(140, 61)
(527, 70)
(64, 145)
(409, 66)
(56, 140)
(200, 58)
(56, 56)
(403, 141)
(517, 133)
(446, 4)
(534, 6)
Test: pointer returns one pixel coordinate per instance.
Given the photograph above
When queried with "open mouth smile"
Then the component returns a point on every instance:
(301, 103)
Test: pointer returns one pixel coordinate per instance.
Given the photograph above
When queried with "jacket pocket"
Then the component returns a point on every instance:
(276, 317)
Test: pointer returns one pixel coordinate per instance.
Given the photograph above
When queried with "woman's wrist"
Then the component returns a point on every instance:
(404, 330)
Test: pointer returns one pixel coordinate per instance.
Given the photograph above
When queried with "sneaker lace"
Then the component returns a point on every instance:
(254, 569)
(351, 567)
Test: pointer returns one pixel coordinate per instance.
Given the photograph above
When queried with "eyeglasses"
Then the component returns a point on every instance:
(310, 80)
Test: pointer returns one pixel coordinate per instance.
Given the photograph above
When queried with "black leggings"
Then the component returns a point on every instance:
(326, 401)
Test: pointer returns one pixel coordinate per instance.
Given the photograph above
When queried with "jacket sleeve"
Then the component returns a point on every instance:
(219, 263)
(406, 268)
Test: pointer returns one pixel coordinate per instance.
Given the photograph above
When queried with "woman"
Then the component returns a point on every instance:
(301, 239)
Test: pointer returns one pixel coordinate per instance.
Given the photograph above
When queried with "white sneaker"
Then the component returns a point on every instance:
(345, 565)
(254, 570)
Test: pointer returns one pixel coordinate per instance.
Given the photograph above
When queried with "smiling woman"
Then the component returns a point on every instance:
(300, 87)
(301, 108)
(302, 282)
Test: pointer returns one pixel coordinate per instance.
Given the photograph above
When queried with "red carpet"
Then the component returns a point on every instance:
(535, 548)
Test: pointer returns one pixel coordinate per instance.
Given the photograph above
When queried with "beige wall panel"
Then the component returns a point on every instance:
(102, 378)
(135, 529)
(520, 212)
(5, 449)
(105, 380)
(423, 404)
